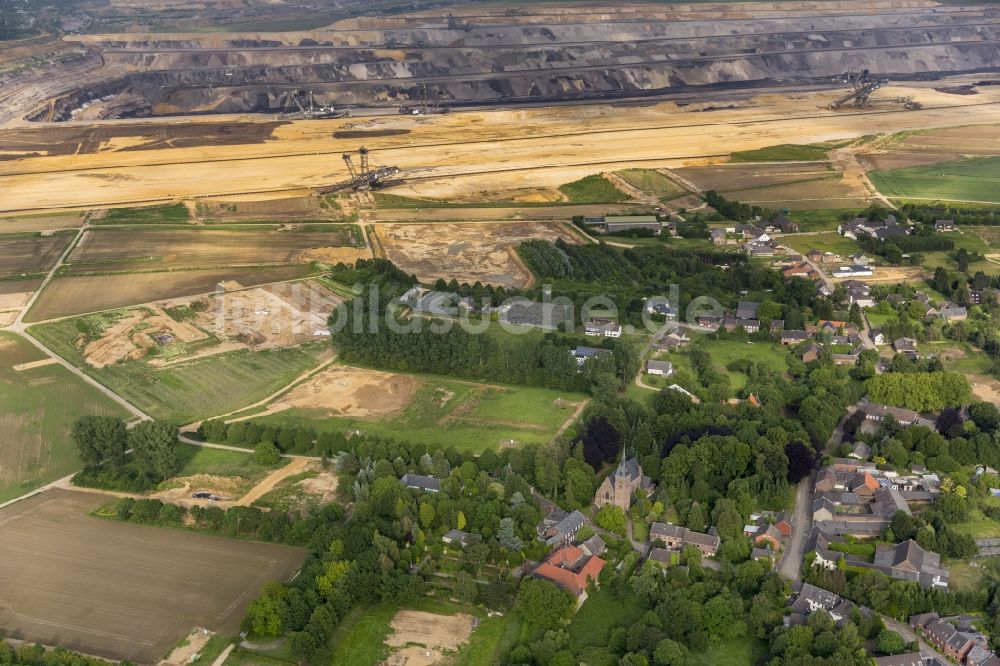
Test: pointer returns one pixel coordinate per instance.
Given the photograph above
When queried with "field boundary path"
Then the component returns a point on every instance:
(271, 480)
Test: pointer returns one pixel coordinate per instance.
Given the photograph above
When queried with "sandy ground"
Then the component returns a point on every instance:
(464, 153)
(352, 392)
(268, 484)
(985, 388)
(422, 637)
(8, 318)
(466, 252)
(132, 336)
(183, 654)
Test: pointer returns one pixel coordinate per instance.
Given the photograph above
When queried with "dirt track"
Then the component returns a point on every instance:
(119, 590)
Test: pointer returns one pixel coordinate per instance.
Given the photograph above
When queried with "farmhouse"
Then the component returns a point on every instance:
(718, 237)
(908, 561)
(673, 341)
(783, 224)
(802, 270)
(789, 338)
(810, 599)
(733, 323)
(676, 537)
(944, 225)
(747, 310)
(570, 568)
(663, 368)
(953, 313)
(905, 346)
(559, 527)
(619, 488)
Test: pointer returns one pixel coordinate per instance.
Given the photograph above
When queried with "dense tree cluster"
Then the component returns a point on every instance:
(962, 215)
(28, 654)
(102, 442)
(269, 439)
(922, 392)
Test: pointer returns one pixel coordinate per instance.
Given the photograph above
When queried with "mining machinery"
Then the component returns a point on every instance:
(425, 107)
(363, 176)
(308, 111)
(862, 87)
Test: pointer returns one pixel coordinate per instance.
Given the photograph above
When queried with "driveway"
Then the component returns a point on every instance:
(790, 565)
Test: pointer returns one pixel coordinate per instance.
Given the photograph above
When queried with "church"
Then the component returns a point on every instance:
(619, 488)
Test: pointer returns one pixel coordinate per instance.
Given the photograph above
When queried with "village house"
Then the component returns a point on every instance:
(802, 270)
(945, 637)
(570, 568)
(419, 482)
(908, 561)
(603, 327)
(676, 538)
(460, 538)
(673, 341)
(619, 488)
(583, 354)
(791, 338)
(662, 368)
(783, 224)
(944, 225)
(749, 325)
(718, 237)
(810, 599)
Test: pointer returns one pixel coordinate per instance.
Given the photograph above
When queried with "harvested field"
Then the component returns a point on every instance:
(31, 254)
(67, 296)
(120, 590)
(495, 214)
(10, 225)
(36, 446)
(16, 293)
(465, 252)
(352, 392)
(157, 249)
(739, 176)
(420, 637)
(967, 140)
(901, 160)
(804, 195)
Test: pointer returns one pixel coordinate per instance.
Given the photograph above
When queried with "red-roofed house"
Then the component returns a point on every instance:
(570, 568)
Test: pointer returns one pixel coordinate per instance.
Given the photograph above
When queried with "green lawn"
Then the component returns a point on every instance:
(966, 180)
(219, 462)
(973, 361)
(594, 189)
(963, 577)
(195, 389)
(829, 241)
(602, 611)
(652, 182)
(37, 409)
(786, 152)
(738, 652)
(447, 413)
(972, 243)
(978, 526)
(171, 214)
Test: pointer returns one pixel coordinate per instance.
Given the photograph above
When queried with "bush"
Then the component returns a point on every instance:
(611, 518)
(266, 453)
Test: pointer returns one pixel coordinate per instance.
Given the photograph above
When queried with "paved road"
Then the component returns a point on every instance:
(790, 565)
(904, 630)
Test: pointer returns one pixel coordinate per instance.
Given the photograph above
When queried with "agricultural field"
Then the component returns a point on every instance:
(118, 249)
(35, 223)
(975, 180)
(948, 141)
(426, 409)
(652, 182)
(69, 296)
(119, 590)
(170, 214)
(36, 446)
(191, 389)
(732, 177)
(821, 219)
(16, 293)
(827, 192)
(484, 252)
(31, 253)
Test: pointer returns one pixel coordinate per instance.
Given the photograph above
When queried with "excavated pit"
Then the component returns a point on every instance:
(482, 57)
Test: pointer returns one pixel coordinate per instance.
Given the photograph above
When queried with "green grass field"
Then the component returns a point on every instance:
(966, 180)
(190, 390)
(724, 352)
(786, 152)
(592, 190)
(219, 462)
(828, 241)
(652, 182)
(738, 652)
(453, 413)
(971, 242)
(171, 214)
(962, 357)
(37, 409)
(600, 612)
